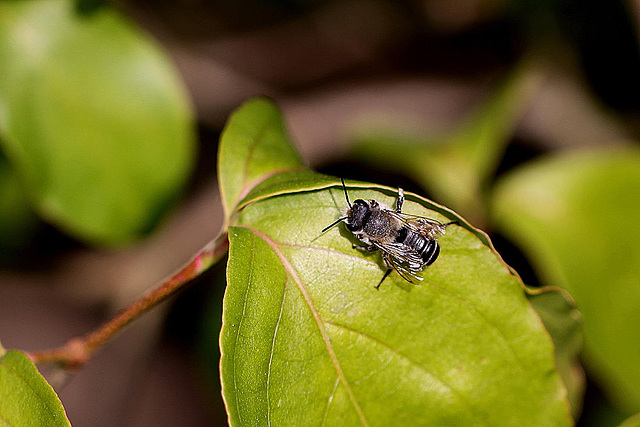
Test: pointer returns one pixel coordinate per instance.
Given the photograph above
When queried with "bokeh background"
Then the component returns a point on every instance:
(521, 115)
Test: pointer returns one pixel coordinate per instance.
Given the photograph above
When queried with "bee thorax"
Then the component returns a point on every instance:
(377, 225)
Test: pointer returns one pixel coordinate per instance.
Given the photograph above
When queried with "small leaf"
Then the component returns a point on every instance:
(455, 166)
(576, 216)
(25, 397)
(93, 119)
(253, 146)
(308, 340)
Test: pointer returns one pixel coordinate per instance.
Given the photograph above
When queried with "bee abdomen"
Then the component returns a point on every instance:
(426, 247)
(431, 252)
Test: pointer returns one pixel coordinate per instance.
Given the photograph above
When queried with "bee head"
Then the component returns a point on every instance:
(356, 214)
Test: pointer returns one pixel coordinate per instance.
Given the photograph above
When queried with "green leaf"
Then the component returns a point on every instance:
(254, 145)
(564, 323)
(93, 118)
(25, 397)
(18, 222)
(308, 340)
(633, 421)
(576, 216)
(455, 166)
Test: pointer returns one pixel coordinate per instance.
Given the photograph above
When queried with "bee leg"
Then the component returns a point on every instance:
(370, 248)
(386, 273)
(385, 258)
(400, 200)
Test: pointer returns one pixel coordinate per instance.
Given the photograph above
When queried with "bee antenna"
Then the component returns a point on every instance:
(334, 223)
(345, 192)
(451, 223)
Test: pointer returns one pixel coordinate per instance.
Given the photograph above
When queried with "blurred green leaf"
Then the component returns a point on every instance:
(563, 321)
(576, 216)
(25, 397)
(633, 421)
(308, 340)
(208, 345)
(454, 167)
(17, 220)
(93, 118)
(253, 146)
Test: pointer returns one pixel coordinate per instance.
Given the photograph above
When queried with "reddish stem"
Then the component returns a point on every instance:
(77, 351)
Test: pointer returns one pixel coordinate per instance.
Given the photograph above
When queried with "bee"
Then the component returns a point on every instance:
(408, 243)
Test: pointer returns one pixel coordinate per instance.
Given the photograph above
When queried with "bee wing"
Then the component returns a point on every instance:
(407, 274)
(404, 260)
(419, 224)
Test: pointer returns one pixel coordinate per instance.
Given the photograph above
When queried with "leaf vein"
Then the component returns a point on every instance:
(28, 384)
(252, 147)
(4, 421)
(481, 316)
(329, 400)
(246, 189)
(273, 344)
(319, 321)
(240, 322)
(408, 359)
